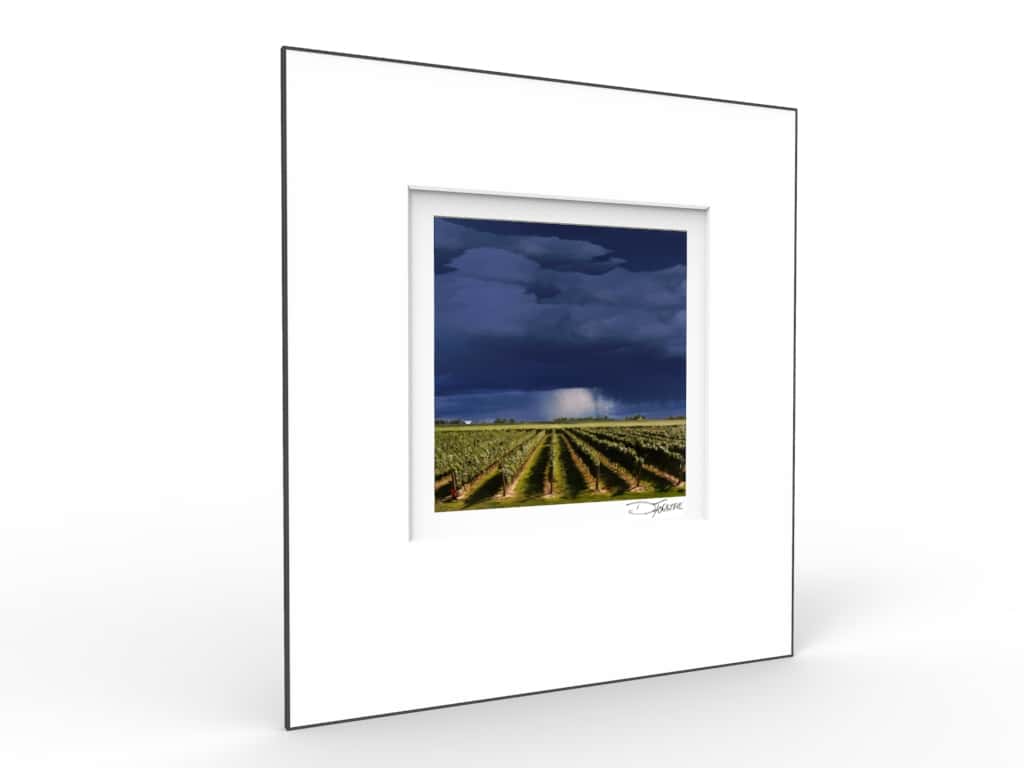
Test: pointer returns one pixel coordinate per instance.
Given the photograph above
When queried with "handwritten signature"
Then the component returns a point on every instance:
(653, 508)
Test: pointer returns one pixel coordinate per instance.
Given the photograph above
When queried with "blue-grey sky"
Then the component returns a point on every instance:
(540, 321)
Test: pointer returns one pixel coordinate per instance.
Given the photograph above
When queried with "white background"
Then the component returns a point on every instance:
(140, 550)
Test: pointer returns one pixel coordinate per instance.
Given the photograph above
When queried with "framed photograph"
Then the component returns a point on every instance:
(549, 364)
(538, 421)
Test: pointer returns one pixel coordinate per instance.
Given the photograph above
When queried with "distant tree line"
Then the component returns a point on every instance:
(560, 420)
(460, 422)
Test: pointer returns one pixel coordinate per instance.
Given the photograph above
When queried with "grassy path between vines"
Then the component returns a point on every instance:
(531, 479)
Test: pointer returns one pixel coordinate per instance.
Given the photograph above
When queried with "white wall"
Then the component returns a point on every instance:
(139, 418)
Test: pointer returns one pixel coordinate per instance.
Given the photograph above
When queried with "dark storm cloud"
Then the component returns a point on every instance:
(452, 238)
(526, 310)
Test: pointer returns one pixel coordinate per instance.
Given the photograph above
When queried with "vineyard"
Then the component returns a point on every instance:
(557, 463)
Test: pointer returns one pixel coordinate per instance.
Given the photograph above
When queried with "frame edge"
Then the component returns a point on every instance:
(563, 81)
(284, 387)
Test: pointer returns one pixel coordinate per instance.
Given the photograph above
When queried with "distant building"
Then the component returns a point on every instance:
(467, 421)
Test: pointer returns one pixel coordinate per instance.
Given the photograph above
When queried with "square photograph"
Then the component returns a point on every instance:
(559, 363)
